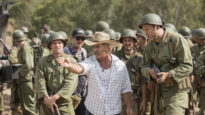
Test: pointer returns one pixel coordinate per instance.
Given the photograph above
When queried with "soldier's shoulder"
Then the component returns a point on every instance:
(119, 53)
(71, 58)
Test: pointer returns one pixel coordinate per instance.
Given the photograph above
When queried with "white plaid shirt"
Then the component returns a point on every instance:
(100, 101)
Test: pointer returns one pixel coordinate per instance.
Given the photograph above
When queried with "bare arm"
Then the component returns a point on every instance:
(73, 67)
(127, 101)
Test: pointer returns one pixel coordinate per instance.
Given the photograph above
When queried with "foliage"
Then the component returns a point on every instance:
(69, 14)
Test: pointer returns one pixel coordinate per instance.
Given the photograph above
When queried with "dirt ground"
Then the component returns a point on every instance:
(7, 94)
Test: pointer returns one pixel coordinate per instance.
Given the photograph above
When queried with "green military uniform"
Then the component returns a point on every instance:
(133, 63)
(200, 71)
(46, 52)
(174, 89)
(1, 103)
(27, 98)
(15, 92)
(51, 77)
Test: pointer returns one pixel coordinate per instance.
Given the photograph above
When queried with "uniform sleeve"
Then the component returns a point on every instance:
(70, 83)
(184, 60)
(126, 85)
(13, 55)
(200, 65)
(40, 81)
(86, 66)
(28, 60)
(146, 65)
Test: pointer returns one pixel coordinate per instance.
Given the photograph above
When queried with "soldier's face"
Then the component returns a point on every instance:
(128, 43)
(149, 31)
(140, 40)
(57, 46)
(78, 41)
(100, 50)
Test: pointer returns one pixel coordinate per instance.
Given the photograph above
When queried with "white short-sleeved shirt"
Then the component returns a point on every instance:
(103, 100)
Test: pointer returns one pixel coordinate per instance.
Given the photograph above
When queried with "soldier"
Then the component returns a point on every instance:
(76, 51)
(55, 84)
(171, 54)
(141, 41)
(200, 71)
(101, 26)
(186, 32)
(199, 36)
(133, 61)
(198, 48)
(119, 45)
(88, 35)
(38, 51)
(45, 28)
(170, 27)
(44, 42)
(15, 92)
(25, 31)
(25, 57)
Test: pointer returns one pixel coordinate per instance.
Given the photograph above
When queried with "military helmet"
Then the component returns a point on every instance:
(128, 33)
(111, 32)
(44, 38)
(55, 36)
(64, 34)
(78, 32)
(88, 33)
(200, 33)
(101, 26)
(170, 27)
(152, 19)
(141, 33)
(18, 36)
(24, 29)
(118, 35)
(185, 31)
(35, 41)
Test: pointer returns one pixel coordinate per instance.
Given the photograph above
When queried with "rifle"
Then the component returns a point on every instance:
(56, 110)
(191, 109)
(5, 47)
(154, 73)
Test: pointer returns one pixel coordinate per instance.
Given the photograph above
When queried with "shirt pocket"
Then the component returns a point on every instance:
(164, 55)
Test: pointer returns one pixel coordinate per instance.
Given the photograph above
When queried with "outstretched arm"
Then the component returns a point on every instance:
(73, 67)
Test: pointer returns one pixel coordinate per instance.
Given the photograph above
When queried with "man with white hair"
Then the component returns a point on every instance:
(108, 78)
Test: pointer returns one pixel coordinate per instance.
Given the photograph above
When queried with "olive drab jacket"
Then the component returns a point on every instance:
(26, 57)
(196, 51)
(13, 55)
(171, 46)
(133, 63)
(50, 76)
(200, 69)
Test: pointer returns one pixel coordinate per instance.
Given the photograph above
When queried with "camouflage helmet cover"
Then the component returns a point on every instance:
(64, 34)
(152, 19)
